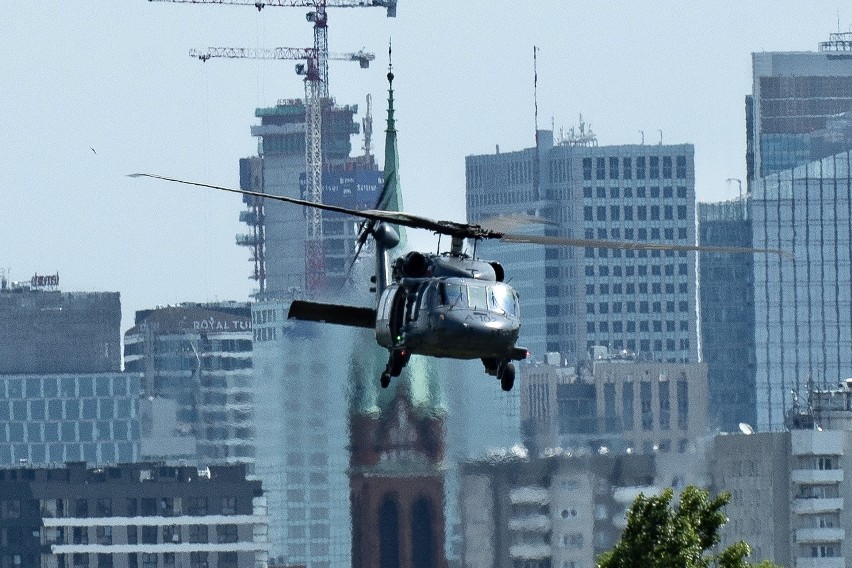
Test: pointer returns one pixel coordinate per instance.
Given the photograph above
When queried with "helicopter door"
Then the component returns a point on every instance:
(390, 317)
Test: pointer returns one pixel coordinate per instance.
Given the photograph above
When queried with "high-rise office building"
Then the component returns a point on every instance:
(799, 137)
(797, 111)
(574, 299)
(200, 357)
(278, 231)
(44, 330)
(727, 314)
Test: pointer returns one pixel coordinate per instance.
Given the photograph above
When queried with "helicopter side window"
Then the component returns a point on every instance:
(477, 297)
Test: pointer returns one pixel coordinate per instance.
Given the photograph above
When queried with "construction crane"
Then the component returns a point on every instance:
(318, 16)
(314, 256)
(316, 89)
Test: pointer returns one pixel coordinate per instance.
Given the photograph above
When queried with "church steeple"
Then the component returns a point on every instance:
(392, 200)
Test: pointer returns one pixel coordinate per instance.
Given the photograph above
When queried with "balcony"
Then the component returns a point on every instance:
(807, 506)
(826, 534)
(629, 494)
(820, 476)
(277, 129)
(535, 523)
(529, 495)
(530, 551)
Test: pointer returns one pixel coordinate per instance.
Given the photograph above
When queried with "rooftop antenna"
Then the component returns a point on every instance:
(535, 90)
(661, 136)
(536, 172)
(642, 134)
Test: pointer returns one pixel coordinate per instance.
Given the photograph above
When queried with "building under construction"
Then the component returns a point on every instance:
(278, 232)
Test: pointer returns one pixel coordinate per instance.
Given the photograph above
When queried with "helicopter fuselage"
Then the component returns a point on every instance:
(455, 317)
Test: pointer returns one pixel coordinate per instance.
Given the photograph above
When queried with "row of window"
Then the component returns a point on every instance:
(655, 233)
(644, 325)
(645, 307)
(148, 560)
(641, 192)
(643, 212)
(74, 409)
(642, 346)
(129, 507)
(172, 534)
(68, 431)
(630, 288)
(618, 270)
(69, 387)
(651, 168)
(92, 452)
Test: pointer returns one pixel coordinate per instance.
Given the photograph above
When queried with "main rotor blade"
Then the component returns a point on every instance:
(396, 217)
(463, 230)
(631, 245)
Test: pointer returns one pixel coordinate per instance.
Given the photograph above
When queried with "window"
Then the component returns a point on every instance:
(640, 171)
(667, 167)
(587, 168)
(149, 560)
(197, 560)
(103, 507)
(149, 534)
(681, 169)
(80, 535)
(196, 506)
(613, 168)
(171, 533)
(198, 533)
(227, 560)
(103, 535)
(654, 167)
(149, 506)
(104, 560)
(600, 165)
(627, 168)
(226, 533)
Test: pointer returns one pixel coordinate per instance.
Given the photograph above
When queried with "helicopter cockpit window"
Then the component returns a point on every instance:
(478, 297)
(501, 300)
(453, 295)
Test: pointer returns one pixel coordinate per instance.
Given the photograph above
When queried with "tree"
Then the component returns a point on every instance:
(661, 536)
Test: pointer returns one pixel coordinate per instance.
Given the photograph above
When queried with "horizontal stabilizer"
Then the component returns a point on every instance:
(332, 313)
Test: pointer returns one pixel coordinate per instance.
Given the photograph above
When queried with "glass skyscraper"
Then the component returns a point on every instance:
(727, 313)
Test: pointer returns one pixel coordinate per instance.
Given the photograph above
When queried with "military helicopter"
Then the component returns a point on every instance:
(450, 304)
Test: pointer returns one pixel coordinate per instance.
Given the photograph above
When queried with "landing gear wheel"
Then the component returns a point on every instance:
(506, 374)
(384, 380)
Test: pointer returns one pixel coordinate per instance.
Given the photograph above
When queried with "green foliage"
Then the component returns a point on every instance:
(661, 536)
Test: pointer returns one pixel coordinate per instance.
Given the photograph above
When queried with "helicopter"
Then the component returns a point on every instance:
(448, 305)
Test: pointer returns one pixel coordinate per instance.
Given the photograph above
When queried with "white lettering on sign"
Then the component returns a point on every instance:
(213, 324)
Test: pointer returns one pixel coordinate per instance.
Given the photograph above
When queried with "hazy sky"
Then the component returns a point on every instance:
(91, 91)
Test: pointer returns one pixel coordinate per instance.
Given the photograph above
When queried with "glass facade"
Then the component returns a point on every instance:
(803, 303)
(200, 357)
(727, 314)
(48, 419)
(302, 436)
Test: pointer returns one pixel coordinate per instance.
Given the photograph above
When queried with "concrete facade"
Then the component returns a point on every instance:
(43, 330)
(573, 299)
